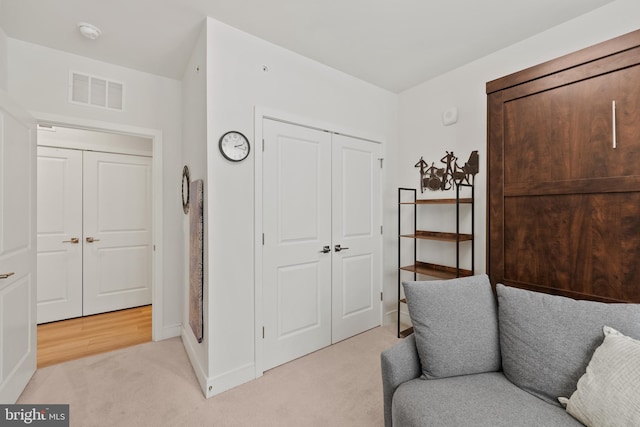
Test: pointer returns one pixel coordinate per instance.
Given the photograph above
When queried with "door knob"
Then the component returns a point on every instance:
(325, 249)
(6, 275)
(73, 240)
(337, 248)
(91, 240)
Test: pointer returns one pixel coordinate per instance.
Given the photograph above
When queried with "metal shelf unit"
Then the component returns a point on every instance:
(424, 268)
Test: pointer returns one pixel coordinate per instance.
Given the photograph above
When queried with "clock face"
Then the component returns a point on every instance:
(234, 146)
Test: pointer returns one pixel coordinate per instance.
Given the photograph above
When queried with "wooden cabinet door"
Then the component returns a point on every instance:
(567, 133)
(580, 244)
(564, 174)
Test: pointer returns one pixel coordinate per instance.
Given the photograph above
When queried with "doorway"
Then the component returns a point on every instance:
(156, 137)
(321, 251)
(136, 143)
(93, 222)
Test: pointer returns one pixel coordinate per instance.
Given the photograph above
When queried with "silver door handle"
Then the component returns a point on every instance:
(73, 240)
(613, 113)
(325, 249)
(6, 275)
(337, 248)
(91, 240)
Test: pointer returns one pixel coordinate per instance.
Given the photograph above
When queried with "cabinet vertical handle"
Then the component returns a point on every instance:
(613, 114)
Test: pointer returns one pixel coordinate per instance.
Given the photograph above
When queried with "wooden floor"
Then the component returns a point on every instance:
(75, 338)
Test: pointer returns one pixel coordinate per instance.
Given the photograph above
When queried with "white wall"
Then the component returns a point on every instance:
(194, 153)
(3, 60)
(236, 84)
(38, 80)
(420, 108)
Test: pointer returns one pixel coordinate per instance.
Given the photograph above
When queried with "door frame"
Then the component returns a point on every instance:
(155, 135)
(261, 113)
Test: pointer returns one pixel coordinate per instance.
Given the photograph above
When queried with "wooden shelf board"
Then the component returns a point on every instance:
(435, 270)
(437, 201)
(405, 333)
(438, 235)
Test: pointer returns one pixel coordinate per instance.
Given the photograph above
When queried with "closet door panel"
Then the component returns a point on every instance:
(297, 226)
(117, 232)
(356, 276)
(59, 227)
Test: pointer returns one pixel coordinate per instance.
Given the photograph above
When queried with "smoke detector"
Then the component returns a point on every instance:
(89, 31)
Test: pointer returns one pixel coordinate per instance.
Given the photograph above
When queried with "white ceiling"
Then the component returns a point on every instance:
(393, 44)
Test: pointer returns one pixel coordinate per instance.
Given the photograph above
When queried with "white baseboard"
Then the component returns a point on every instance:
(215, 385)
(231, 379)
(198, 369)
(171, 331)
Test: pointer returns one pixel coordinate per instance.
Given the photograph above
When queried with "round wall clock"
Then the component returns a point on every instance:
(234, 146)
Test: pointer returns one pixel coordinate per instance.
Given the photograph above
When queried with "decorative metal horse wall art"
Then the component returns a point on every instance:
(444, 178)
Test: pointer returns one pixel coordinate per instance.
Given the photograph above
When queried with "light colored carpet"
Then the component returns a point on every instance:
(153, 384)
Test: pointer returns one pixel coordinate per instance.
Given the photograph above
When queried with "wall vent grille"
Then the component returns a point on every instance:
(95, 91)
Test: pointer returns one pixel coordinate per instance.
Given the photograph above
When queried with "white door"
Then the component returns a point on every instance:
(117, 232)
(17, 249)
(59, 234)
(357, 240)
(297, 225)
(322, 242)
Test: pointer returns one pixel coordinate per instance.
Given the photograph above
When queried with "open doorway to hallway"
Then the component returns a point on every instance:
(95, 247)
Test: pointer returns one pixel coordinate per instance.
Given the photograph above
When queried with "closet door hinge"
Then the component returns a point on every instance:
(381, 232)
(381, 296)
(263, 145)
(381, 159)
(262, 239)
(263, 332)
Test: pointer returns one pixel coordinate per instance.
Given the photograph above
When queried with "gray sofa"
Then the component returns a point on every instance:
(475, 360)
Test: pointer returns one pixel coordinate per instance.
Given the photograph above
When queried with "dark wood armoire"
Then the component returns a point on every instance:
(563, 206)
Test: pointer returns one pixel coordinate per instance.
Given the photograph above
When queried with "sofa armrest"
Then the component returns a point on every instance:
(399, 364)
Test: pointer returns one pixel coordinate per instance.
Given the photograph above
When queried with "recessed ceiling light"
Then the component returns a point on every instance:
(89, 31)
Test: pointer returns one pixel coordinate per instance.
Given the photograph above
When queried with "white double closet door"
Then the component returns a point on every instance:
(94, 232)
(322, 239)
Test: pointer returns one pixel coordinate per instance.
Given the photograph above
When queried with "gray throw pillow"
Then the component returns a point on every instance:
(456, 326)
(547, 340)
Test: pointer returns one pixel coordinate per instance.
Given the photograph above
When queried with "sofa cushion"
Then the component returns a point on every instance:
(456, 326)
(481, 400)
(547, 341)
(609, 392)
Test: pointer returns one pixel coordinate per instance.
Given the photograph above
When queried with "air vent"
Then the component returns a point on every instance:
(96, 91)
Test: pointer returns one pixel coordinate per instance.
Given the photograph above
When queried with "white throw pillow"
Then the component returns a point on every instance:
(608, 394)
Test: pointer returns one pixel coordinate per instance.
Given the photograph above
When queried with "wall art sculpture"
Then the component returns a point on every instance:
(443, 178)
